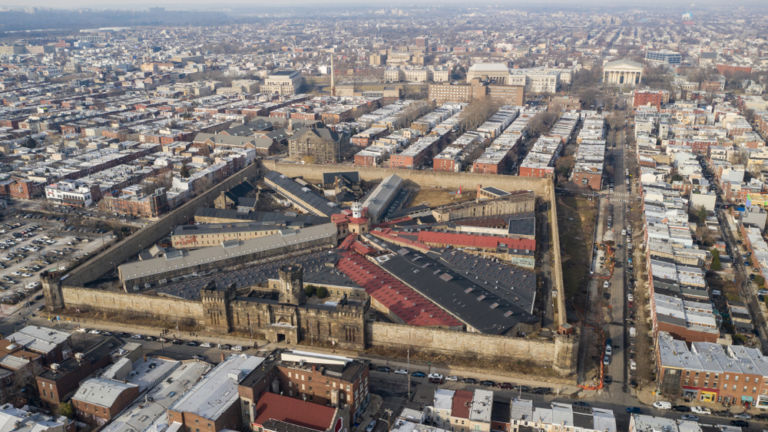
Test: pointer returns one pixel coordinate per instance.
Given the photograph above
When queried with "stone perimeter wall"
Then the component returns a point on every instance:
(162, 307)
(452, 180)
(403, 336)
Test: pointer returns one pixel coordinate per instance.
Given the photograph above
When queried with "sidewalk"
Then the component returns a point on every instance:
(169, 334)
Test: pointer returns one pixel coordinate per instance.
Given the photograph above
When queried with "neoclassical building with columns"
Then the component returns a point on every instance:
(622, 72)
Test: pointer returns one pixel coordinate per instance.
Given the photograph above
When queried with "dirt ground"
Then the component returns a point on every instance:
(438, 196)
(576, 220)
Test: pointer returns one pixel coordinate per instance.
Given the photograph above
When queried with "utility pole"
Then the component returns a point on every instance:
(408, 369)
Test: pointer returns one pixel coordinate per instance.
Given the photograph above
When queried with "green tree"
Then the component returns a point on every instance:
(66, 409)
(322, 292)
(716, 266)
(309, 290)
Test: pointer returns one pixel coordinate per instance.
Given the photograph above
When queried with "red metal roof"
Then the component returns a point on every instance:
(394, 237)
(294, 411)
(400, 299)
(475, 240)
(462, 400)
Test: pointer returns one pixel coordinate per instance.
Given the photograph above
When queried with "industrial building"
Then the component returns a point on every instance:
(137, 274)
(301, 196)
(495, 310)
(377, 203)
(213, 402)
(515, 202)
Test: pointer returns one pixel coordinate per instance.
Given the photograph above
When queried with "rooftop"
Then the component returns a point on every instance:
(271, 406)
(101, 391)
(141, 416)
(484, 310)
(211, 397)
(39, 339)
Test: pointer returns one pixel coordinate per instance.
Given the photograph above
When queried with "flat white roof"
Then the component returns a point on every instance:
(101, 391)
(39, 339)
(210, 397)
(482, 404)
(443, 399)
(151, 416)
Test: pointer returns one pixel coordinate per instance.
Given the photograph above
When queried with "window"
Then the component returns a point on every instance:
(727, 377)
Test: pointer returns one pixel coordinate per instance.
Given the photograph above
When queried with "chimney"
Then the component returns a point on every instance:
(333, 78)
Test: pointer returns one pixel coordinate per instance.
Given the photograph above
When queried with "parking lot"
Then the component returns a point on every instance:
(32, 243)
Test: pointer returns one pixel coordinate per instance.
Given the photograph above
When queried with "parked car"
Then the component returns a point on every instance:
(469, 381)
(453, 378)
(581, 404)
(384, 369)
(371, 426)
(488, 383)
(740, 423)
(662, 405)
(205, 344)
(436, 378)
(506, 386)
(743, 416)
(634, 410)
(632, 365)
(402, 371)
(701, 410)
(681, 408)
(418, 374)
(690, 417)
(237, 348)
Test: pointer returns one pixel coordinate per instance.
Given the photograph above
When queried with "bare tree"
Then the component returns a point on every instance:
(477, 112)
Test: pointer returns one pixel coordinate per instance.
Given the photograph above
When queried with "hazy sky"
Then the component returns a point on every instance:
(212, 5)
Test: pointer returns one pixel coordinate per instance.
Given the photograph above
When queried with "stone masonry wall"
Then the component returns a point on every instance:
(451, 342)
(120, 302)
(468, 181)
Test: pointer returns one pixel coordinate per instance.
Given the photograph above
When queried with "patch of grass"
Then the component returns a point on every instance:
(437, 196)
